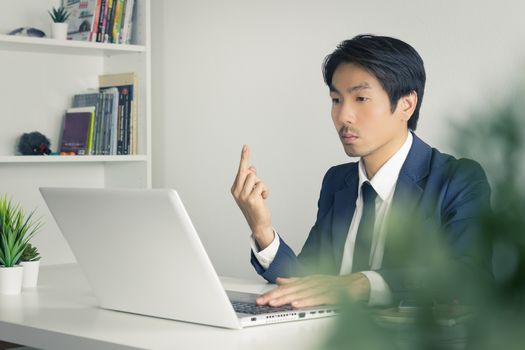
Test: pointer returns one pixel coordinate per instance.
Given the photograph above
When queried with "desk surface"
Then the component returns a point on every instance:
(62, 313)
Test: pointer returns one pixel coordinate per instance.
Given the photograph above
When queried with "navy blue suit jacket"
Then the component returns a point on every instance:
(439, 190)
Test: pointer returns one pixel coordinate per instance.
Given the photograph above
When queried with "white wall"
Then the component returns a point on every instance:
(244, 71)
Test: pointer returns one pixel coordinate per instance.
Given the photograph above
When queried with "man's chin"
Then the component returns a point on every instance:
(351, 151)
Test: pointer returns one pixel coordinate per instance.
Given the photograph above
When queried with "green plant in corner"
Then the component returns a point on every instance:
(59, 15)
(30, 253)
(16, 229)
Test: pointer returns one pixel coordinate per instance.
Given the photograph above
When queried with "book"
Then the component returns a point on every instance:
(125, 4)
(117, 21)
(127, 131)
(77, 132)
(94, 30)
(92, 99)
(109, 20)
(81, 20)
(102, 20)
(126, 22)
(111, 114)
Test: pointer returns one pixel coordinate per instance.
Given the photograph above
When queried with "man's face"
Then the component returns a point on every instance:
(362, 115)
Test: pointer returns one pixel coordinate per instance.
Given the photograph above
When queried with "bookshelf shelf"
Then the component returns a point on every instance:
(71, 159)
(46, 45)
(40, 77)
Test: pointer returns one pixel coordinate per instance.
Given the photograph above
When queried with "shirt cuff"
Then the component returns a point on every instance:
(380, 294)
(265, 256)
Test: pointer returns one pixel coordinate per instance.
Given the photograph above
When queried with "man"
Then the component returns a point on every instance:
(376, 85)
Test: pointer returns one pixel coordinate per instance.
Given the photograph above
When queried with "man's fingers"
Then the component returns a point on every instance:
(245, 156)
(282, 280)
(301, 292)
(243, 172)
(297, 292)
(293, 285)
(249, 184)
(260, 189)
(321, 298)
(302, 297)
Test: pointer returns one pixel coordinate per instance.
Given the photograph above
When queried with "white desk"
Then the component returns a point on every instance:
(62, 314)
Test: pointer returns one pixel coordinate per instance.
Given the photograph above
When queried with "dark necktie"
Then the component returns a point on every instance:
(365, 232)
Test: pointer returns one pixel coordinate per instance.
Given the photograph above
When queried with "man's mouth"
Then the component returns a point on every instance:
(348, 138)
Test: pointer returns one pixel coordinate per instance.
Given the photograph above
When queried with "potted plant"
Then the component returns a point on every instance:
(16, 229)
(59, 25)
(30, 260)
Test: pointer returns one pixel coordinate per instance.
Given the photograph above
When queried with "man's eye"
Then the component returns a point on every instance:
(335, 100)
(361, 99)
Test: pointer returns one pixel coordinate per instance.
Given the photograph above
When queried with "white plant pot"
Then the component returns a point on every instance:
(59, 31)
(11, 279)
(30, 278)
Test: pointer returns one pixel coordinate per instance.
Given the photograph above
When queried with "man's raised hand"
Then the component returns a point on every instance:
(250, 194)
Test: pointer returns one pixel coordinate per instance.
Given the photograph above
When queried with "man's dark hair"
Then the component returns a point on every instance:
(396, 65)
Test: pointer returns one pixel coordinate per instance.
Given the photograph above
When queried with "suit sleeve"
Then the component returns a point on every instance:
(286, 263)
(462, 252)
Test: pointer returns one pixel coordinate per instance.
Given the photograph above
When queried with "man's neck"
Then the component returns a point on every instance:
(373, 162)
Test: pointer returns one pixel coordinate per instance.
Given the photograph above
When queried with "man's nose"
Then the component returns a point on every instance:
(346, 114)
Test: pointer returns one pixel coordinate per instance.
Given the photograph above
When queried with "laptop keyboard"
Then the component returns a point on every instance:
(254, 309)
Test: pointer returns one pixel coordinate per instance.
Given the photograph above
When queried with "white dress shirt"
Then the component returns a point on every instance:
(384, 183)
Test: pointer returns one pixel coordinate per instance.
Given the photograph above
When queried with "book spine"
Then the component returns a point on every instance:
(129, 18)
(94, 28)
(95, 125)
(122, 21)
(89, 147)
(134, 119)
(102, 20)
(98, 124)
(105, 132)
(109, 117)
(102, 126)
(117, 21)
(121, 117)
(114, 117)
(127, 119)
(121, 125)
(109, 21)
(111, 135)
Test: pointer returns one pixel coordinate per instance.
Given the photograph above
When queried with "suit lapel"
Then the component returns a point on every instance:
(415, 169)
(407, 195)
(406, 203)
(344, 207)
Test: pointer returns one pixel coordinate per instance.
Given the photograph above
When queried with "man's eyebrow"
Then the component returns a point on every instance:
(361, 86)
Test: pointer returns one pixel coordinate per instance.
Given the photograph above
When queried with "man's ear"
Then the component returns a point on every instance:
(407, 105)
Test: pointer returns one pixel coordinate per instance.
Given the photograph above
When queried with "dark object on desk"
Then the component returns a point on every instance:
(6, 346)
(28, 31)
(34, 143)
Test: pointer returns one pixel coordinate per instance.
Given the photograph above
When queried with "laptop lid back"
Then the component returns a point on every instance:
(141, 253)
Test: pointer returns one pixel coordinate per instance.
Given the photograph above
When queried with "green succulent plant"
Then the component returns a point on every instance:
(59, 15)
(16, 229)
(30, 253)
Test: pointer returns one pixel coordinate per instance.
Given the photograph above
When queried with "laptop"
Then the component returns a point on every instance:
(141, 254)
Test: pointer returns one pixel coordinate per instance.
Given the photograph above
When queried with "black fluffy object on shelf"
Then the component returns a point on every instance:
(34, 143)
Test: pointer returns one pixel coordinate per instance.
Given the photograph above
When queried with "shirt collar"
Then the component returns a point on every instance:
(384, 181)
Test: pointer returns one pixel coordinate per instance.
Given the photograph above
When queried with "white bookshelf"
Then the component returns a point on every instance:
(47, 45)
(71, 159)
(39, 78)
